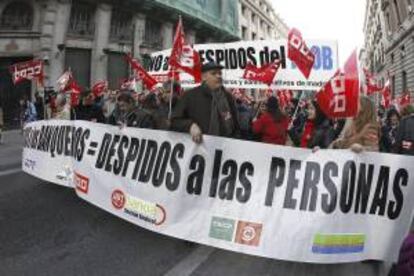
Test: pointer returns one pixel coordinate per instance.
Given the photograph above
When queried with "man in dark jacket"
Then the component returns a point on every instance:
(207, 108)
(87, 111)
(404, 140)
(128, 114)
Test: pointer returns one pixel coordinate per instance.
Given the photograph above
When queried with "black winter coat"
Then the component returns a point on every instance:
(195, 107)
(404, 141)
(137, 118)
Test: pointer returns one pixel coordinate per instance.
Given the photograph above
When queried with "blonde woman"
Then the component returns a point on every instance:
(362, 132)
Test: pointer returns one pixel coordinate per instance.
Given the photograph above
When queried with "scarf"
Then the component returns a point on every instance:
(221, 120)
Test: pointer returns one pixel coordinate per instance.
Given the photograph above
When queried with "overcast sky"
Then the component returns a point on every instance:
(340, 20)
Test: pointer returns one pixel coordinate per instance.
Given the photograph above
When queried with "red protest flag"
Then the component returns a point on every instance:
(74, 99)
(148, 81)
(339, 98)
(265, 74)
(28, 70)
(99, 88)
(285, 97)
(299, 53)
(403, 100)
(370, 83)
(386, 95)
(183, 56)
(66, 83)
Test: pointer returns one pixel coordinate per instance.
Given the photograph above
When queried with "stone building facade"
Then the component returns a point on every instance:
(91, 37)
(258, 20)
(389, 43)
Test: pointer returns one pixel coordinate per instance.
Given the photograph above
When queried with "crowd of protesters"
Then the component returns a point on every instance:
(210, 109)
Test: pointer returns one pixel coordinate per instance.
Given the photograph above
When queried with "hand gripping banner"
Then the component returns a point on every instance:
(285, 203)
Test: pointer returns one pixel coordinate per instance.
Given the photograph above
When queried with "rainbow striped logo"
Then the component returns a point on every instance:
(338, 243)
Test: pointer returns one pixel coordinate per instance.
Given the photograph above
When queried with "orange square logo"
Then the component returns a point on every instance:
(248, 233)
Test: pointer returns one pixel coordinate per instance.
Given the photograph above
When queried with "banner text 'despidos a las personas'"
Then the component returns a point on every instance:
(273, 201)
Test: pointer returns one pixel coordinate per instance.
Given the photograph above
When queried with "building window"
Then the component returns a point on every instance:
(121, 26)
(153, 37)
(244, 33)
(392, 58)
(117, 71)
(79, 62)
(82, 20)
(17, 16)
(254, 36)
(397, 11)
(404, 81)
(389, 24)
(243, 10)
(402, 51)
(253, 18)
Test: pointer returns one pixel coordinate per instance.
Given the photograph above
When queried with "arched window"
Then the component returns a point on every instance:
(17, 16)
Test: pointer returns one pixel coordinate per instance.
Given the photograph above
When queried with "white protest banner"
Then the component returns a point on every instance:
(279, 202)
(46, 150)
(236, 55)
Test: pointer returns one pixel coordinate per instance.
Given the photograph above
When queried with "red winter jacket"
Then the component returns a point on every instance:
(271, 132)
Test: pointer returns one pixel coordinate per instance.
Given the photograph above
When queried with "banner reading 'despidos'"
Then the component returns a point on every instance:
(236, 55)
(272, 201)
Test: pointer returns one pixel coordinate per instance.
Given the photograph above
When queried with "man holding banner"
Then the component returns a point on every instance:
(207, 108)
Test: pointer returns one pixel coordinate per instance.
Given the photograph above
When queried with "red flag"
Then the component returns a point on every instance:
(148, 81)
(66, 83)
(74, 99)
(28, 70)
(129, 84)
(99, 88)
(370, 83)
(184, 57)
(285, 97)
(299, 53)
(386, 95)
(403, 100)
(339, 98)
(265, 74)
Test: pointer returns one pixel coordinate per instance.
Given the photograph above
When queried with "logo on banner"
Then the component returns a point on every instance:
(81, 183)
(144, 210)
(338, 243)
(118, 199)
(29, 164)
(222, 228)
(248, 233)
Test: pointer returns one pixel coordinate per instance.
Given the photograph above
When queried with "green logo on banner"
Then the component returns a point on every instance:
(222, 228)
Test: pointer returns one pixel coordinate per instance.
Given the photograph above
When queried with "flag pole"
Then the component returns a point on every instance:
(296, 109)
(171, 94)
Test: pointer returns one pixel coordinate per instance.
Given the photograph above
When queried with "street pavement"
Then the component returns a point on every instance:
(46, 229)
